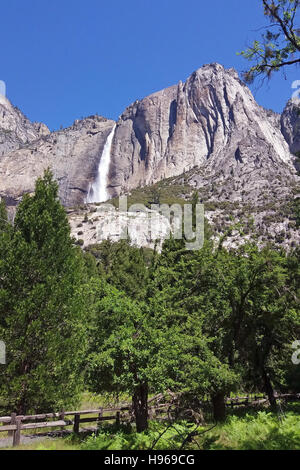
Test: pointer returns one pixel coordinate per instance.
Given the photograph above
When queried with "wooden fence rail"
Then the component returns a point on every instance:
(260, 399)
(15, 424)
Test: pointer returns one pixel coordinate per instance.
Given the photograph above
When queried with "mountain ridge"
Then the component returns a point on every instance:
(207, 132)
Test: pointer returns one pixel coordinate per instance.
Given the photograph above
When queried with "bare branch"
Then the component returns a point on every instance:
(282, 64)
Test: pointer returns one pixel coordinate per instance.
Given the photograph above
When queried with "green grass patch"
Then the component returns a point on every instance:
(48, 444)
(259, 431)
(159, 193)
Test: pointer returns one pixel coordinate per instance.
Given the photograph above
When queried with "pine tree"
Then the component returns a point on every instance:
(41, 306)
(3, 215)
(123, 266)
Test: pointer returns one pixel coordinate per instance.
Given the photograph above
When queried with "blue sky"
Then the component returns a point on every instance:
(66, 59)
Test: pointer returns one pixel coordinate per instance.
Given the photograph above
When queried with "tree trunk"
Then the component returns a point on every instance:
(21, 406)
(219, 409)
(140, 407)
(269, 390)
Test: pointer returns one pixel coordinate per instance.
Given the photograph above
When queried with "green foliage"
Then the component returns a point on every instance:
(125, 439)
(279, 45)
(133, 343)
(137, 347)
(123, 266)
(242, 300)
(41, 306)
(3, 215)
(164, 192)
(261, 431)
(296, 211)
(133, 321)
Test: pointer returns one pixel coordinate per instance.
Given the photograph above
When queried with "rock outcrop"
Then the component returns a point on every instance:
(290, 124)
(211, 122)
(72, 154)
(15, 129)
(144, 228)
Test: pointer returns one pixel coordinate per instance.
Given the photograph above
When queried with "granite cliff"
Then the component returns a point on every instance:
(212, 123)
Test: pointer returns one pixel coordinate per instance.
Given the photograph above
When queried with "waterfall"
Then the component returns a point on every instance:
(98, 190)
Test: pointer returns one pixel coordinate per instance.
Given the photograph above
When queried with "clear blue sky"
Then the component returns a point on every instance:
(66, 59)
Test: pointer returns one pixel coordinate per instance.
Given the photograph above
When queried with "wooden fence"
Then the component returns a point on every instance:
(259, 399)
(15, 424)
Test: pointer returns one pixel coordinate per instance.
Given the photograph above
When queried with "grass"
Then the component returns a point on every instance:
(256, 431)
(93, 401)
(48, 444)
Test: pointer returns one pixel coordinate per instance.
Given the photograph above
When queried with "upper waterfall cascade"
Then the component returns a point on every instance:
(98, 190)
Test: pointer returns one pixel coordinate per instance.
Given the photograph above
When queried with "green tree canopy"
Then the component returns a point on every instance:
(41, 306)
(3, 215)
(123, 266)
(137, 347)
(245, 300)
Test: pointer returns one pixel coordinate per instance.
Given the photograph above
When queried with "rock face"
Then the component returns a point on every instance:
(211, 122)
(290, 124)
(15, 129)
(209, 128)
(72, 154)
(144, 228)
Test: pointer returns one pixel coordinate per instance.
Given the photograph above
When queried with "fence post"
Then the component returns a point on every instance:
(118, 418)
(62, 417)
(12, 421)
(17, 433)
(76, 423)
(100, 414)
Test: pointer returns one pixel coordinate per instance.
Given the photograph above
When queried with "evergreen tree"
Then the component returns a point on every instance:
(3, 215)
(123, 266)
(189, 280)
(139, 348)
(41, 306)
(244, 302)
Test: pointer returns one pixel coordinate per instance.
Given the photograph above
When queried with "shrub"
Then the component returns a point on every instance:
(112, 438)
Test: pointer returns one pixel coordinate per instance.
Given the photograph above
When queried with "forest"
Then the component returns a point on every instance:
(131, 322)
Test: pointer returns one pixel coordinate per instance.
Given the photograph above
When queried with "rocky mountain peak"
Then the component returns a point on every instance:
(211, 121)
(15, 128)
